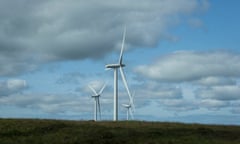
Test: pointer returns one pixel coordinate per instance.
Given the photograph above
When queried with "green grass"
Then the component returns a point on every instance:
(28, 131)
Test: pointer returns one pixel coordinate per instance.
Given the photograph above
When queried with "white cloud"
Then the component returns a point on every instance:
(189, 66)
(213, 78)
(209, 77)
(15, 84)
(155, 90)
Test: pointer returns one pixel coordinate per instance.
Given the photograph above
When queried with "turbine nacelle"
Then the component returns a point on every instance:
(95, 96)
(114, 66)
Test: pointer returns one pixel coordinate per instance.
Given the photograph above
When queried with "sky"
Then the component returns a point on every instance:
(182, 59)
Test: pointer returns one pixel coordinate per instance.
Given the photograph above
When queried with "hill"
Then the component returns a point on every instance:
(30, 131)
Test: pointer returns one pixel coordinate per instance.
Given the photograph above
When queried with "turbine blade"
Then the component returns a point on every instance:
(125, 105)
(125, 84)
(93, 90)
(100, 92)
(122, 48)
(132, 102)
(99, 109)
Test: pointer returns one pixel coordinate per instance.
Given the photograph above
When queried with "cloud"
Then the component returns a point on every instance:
(59, 103)
(185, 66)
(215, 81)
(155, 90)
(224, 93)
(213, 104)
(183, 105)
(36, 32)
(212, 78)
(12, 86)
(236, 110)
(179, 105)
(235, 107)
(49, 103)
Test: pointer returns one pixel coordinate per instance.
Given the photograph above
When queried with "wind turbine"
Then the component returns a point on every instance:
(97, 107)
(129, 108)
(115, 67)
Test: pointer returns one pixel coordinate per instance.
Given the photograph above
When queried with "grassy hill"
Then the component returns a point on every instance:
(27, 131)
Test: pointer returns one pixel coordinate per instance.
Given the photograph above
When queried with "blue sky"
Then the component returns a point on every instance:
(182, 59)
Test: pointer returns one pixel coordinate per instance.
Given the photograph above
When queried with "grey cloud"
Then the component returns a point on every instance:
(225, 93)
(214, 104)
(166, 93)
(215, 81)
(180, 105)
(236, 110)
(12, 86)
(190, 66)
(49, 103)
(36, 32)
(17, 64)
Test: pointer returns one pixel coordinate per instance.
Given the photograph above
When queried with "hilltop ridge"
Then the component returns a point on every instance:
(36, 131)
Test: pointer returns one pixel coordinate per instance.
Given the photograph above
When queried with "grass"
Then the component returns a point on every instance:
(30, 131)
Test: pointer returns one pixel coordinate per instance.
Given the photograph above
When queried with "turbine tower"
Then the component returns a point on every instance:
(115, 67)
(97, 107)
(130, 106)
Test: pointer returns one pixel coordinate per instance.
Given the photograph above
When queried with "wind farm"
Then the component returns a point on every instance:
(126, 131)
(182, 58)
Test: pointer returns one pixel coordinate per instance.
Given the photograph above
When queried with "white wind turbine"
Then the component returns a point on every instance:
(115, 67)
(97, 106)
(129, 108)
